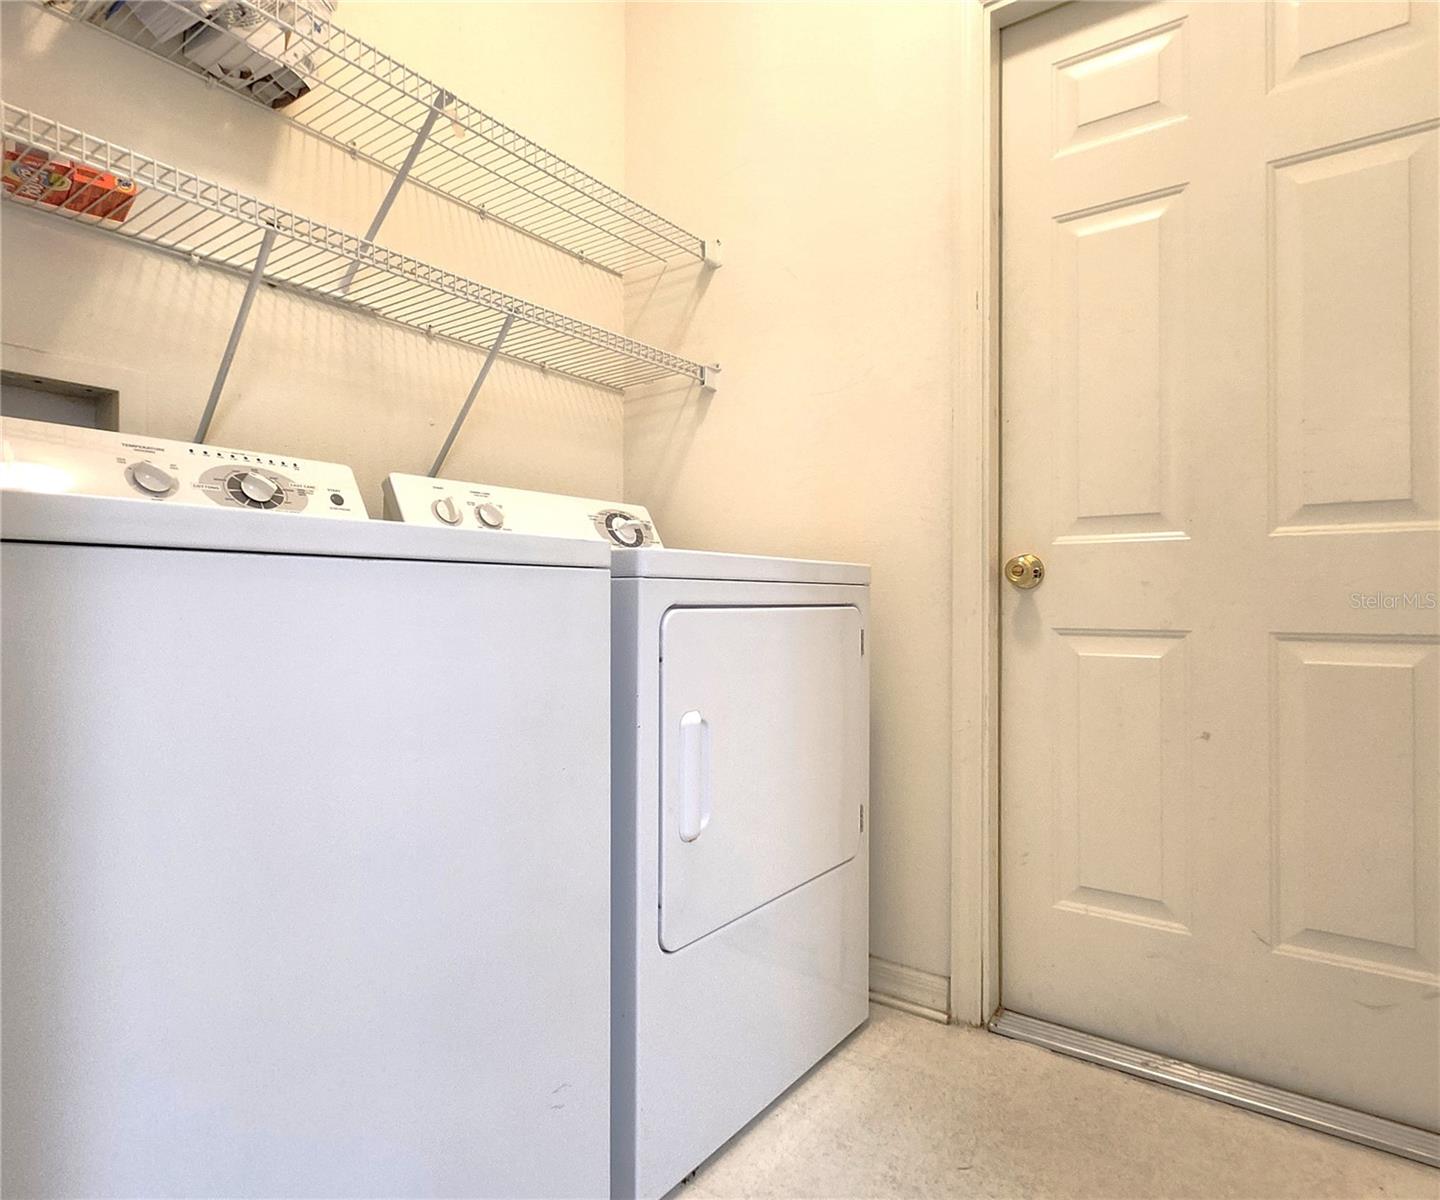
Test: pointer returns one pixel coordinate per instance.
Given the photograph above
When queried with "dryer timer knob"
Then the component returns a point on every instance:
(624, 530)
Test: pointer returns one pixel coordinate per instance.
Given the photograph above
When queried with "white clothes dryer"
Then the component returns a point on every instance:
(740, 786)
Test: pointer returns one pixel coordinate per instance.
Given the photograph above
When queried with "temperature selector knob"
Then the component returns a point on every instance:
(150, 479)
(492, 516)
(446, 510)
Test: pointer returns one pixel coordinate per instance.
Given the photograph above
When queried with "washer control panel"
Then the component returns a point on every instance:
(39, 457)
(420, 500)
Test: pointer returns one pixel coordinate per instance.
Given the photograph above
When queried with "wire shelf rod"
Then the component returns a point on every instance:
(201, 220)
(375, 107)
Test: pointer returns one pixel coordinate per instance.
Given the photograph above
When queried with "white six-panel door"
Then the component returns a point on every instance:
(1219, 718)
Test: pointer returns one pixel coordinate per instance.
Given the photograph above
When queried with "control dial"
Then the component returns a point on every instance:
(255, 490)
(492, 516)
(446, 510)
(150, 479)
(624, 530)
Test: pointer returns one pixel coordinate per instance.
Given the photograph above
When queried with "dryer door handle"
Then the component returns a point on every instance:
(695, 799)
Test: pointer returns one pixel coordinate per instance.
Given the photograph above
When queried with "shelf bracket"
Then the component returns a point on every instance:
(402, 173)
(257, 273)
(474, 391)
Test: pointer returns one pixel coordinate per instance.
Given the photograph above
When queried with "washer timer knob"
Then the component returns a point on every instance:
(492, 516)
(446, 510)
(151, 479)
(258, 487)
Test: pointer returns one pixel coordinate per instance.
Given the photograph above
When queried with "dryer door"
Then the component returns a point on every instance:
(764, 716)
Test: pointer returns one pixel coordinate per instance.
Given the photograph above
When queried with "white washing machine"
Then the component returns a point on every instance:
(306, 864)
(740, 788)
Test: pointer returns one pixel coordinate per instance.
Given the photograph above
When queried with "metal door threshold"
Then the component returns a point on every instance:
(1382, 1134)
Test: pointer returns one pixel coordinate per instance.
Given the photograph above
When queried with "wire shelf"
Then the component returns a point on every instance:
(199, 220)
(282, 54)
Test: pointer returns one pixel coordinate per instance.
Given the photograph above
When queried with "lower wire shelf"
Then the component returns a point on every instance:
(203, 221)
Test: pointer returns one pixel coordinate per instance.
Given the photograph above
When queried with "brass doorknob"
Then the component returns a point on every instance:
(1025, 571)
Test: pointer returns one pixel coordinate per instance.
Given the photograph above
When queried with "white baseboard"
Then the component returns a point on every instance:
(910, 990)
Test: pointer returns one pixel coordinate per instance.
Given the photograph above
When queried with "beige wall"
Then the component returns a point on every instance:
(310, 378)
(818, 143)
(815, 140)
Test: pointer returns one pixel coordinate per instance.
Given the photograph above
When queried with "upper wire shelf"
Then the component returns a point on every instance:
(282, 54)
(184, 214)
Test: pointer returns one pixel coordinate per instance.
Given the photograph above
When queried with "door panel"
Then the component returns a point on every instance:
(1119, 720)
(1120, 89)
(763, 739)
(1117, 381)
(1354, 802)
(1352, 239)
(1220, 710)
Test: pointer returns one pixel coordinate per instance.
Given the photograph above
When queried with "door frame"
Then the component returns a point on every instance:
(975, 523)
(975, 634)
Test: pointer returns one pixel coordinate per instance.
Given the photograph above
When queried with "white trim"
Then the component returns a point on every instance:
(975, 680)
(909, 989)
(1321, 1115)
(975, 529)
(1002, 13)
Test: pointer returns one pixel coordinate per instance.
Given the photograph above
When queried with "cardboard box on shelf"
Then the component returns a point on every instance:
(31, 174)
(167, 19)
(100, 194)
(265, 47)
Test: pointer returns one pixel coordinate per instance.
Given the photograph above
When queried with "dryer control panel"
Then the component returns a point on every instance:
(36, 456)
(447, 503)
